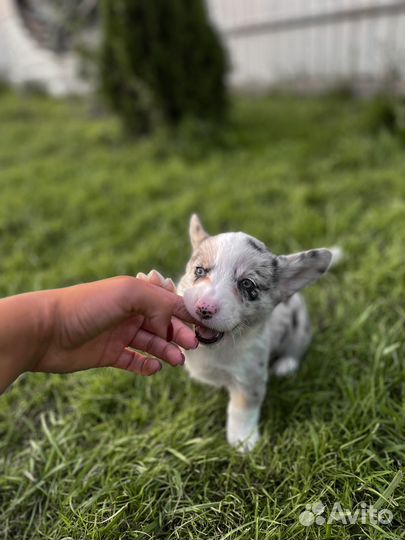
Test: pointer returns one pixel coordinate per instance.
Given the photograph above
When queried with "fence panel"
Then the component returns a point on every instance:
(313, 43)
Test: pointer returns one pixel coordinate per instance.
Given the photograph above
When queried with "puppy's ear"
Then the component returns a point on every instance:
(301, 269)
(197, 232)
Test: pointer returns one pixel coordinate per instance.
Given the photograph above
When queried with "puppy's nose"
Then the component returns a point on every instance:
(206, 310)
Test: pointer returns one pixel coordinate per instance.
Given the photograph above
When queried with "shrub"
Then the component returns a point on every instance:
(161, 60)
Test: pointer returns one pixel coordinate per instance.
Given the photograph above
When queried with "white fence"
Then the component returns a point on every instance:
(311, 44)
(302, 44)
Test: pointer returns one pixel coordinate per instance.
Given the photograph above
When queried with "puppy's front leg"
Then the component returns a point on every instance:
(242, 429)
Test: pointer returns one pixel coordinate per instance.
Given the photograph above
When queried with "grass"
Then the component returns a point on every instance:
(104, 454)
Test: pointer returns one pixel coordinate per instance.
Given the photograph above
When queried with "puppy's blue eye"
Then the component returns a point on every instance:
(200, 272)
(248, 288)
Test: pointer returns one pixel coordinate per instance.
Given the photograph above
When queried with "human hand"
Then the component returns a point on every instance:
(98, 324)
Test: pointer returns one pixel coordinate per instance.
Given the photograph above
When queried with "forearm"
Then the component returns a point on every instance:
(24, 333)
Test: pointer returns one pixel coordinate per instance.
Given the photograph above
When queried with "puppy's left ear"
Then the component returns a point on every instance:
(300, 269)
(197, 232)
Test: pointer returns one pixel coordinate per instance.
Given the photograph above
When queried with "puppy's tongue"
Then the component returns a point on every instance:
(207, 335)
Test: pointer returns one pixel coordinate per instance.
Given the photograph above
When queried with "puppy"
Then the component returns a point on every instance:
(250, 311)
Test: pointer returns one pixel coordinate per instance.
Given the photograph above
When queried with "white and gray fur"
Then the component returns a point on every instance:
(271, 326)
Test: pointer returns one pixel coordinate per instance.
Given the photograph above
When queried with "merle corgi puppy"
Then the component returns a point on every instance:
(247, 300)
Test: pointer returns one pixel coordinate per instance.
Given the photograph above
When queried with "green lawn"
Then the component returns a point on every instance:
(105, 454)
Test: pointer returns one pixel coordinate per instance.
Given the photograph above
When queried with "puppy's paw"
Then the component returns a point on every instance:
(156, 278)
(242, 441)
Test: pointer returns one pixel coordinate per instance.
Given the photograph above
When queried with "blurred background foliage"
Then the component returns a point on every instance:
(154, 62)
(162, 61)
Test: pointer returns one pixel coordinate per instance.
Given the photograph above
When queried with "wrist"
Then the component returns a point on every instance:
(25, 333)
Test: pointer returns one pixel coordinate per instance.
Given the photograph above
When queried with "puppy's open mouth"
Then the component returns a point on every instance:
(208, 336)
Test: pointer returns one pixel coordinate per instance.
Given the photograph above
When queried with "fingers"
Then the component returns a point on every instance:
(157, 346)
(158, 305)
(137, 363)
(134, 361)
(169, 292)
(154, 303)
(183, 335)
(176, 331)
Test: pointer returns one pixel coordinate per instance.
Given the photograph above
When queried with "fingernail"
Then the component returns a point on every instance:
(196, 343)
(170, 331)
(183, 359)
